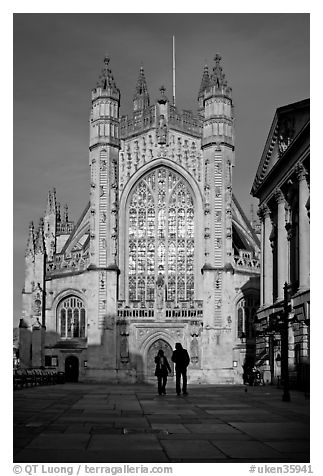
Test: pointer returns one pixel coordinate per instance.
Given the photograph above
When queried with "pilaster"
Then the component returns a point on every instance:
(282, 244)
(267, 257)
(304, 229)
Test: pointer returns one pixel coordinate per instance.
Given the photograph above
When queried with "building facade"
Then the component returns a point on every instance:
(162, 252)
(282, 186)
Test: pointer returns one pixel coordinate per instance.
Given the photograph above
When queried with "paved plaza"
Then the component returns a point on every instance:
(100, 423)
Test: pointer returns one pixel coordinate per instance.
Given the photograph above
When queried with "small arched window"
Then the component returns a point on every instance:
(71, 318)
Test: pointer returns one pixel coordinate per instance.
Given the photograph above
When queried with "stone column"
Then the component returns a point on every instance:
(262, 248)
(304, 229)
(268, 258)
(282, 245)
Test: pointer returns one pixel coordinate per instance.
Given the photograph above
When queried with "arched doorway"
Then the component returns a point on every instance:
(71, 369)
(151, 354)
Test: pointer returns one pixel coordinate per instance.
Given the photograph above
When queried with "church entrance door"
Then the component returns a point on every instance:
(71, 369)
(151, 354)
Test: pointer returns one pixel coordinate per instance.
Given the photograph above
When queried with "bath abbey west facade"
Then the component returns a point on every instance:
(162, 252)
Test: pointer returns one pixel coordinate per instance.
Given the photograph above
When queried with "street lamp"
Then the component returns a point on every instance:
(284, 348)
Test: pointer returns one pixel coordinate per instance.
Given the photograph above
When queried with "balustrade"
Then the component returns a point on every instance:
(246, 259)
(145, 310)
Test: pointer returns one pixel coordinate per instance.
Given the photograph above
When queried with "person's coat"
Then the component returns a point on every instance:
(181, 358)
(162, 366)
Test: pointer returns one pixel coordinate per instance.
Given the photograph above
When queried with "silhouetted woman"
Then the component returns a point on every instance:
(161, 372)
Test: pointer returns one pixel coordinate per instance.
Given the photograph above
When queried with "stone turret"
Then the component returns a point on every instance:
(104, 120)
(218, 146)
(218, 109)
(104, 160)
(33, 299)
(104, 209)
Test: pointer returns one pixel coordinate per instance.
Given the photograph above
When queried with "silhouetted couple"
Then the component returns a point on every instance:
(181, 359)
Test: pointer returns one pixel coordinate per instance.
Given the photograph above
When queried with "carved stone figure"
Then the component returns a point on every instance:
(160, 295)
(162, 130)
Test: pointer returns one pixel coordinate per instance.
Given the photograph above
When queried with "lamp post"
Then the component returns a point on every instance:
(284, 348)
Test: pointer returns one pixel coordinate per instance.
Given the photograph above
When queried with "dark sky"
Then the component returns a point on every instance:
(57, 60)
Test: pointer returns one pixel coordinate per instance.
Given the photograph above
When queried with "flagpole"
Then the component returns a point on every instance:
(174, 96)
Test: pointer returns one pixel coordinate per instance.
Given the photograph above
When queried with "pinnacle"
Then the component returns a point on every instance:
(162, 98)
(141, 86)
(30, 242)
(217, 58)
(205, 80)
(218, 77)
(39, 244)
(106, 78)
(51, 201)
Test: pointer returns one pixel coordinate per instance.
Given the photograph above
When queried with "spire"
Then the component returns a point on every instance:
(141, 97)
(30, 248)
(51, 202)
(205, 80)
(141, 86)
(58, 212)
(106, 78)
(54, 199)
(218, 77)
(39, 242)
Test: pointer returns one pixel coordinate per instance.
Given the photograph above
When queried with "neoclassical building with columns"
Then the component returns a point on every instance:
(162, 252)
(282, 185)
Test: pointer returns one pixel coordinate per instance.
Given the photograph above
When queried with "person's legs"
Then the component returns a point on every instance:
(178, 382)
(164, 384)
(184, 374)
(159, 379)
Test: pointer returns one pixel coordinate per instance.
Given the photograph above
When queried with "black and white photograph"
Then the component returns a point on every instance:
(161, 242)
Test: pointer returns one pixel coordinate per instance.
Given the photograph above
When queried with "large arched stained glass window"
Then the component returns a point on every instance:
(161, 237)
(71, 318)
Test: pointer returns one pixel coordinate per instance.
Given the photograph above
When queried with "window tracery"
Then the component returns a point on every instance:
(71, 318)
(161, 237)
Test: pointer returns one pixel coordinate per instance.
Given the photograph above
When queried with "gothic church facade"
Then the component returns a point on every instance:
(162, 252)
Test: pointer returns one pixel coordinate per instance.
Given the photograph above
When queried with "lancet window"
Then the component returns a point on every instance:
(71, 318)
(161, 237)
(246, 315)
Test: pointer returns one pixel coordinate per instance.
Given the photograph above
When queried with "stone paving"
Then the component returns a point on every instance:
(97, 423)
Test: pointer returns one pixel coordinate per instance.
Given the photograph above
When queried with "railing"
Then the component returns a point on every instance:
(63, 264)
(246, 260)
(64, 227)
(145, 310)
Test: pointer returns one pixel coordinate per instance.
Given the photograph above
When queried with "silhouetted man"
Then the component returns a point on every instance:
(181, 359)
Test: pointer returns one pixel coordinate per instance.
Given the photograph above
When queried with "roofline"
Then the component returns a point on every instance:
(279, 111)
